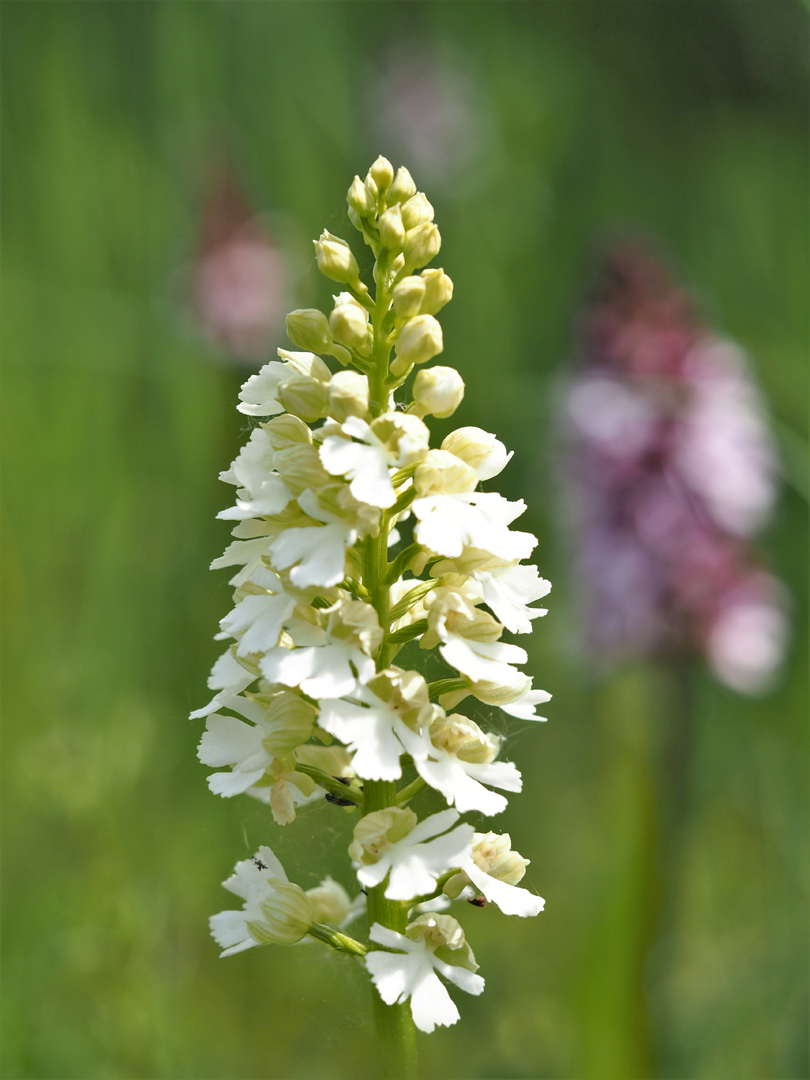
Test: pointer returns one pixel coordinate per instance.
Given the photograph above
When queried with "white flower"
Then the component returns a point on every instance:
(495, 869)
(479, 449)
(258, 620)
(365, 463)
(414, 860)
(321, 671)
(259, 395)
(450, 523)
(523, 706)
(251, 881)
(261, 491)
(459, 760)
(509, 590)
(317, 553)
(411, 973)
(229, 678)
(248, 554)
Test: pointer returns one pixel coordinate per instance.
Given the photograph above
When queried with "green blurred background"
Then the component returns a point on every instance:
(689, 119)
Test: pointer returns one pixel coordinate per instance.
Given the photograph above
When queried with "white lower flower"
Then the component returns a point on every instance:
(412, 972)
(257, 621)
(228, 678)
(317, 554)
(414, 860)
(509, 590)
(523, 707)
(450, 523)
(321, 671)
(259, 395)
(495, 869)
(251, 882)
(364, 463)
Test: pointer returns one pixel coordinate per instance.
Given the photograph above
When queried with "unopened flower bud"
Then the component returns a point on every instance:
(330, 902)
(416, 211)
(481, 450)
(422, 244)
(408, 296)
(288, 914)
(492, 852)
(304, 397)
(306, 363)
(402, 188)
(292, 721)
(348, 395)
(360, 199)
(463, 737)
(438, 291)
(392, 230)
(377, 832)
(285, 430)
(437, 391)
(335, 258)
(349, 323)
(440, 473)
(382, 173)
(419, 341)
(308, 328)
(300, 468)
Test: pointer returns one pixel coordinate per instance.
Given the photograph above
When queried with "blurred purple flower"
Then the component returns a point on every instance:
(240, 277)
(674, 471)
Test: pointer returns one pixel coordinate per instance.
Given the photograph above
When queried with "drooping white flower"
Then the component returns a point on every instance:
(449, 523)
(509, 590)
(479, 449)
(321, 671)
(259, 395)
(261, 490)
(523, 707)
(251, 882)
(317, 554)
(394, 841)
(412, 972)
(495, 870)
(460, 760)
(228, 678)
(390, 441)
(258, 619)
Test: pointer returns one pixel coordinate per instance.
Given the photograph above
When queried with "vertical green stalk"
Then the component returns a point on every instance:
(394, 1024)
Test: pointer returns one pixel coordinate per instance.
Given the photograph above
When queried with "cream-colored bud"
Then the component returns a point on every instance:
(440, 473)
(463, 737)
(422, 244)
(501, 693)
(300, 467)
(304, 397)
(286, 430)
(419, 341)
(306, 363)
(348, 395)
(437, 391)
(444, 937)
(335, 258)
(480, 449)
(402, 188)
(392, 230)
(330, 902)
(382, 173)
(308, 328)
(438, 291)
(349, 323)
(360, 199)
(288, 914)
(292, 721)
(492, 852)
(408, 296)
(357, 624)
(377, 832)
(416, 211)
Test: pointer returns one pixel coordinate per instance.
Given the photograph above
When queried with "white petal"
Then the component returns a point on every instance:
(463, 978)
(274, 869)
(448, 776)
(466, 658)
(365, 466)
(260, 620)
(393, 974)
(227, 740)
(449, 523)
(391, 939)
(511, 899)
(270, 498)
(524, 707)
(228, 784)
(500, 774)
(368, 732)
(229, 930)
(258, 395)
(433, 826)
(245, 553)
(322, 671)
(372, 875)
(319, 551)
(431, 1005)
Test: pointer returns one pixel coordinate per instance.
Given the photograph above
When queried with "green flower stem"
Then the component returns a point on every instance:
(330, 783)
(322, 932)
(394, 1023)
(410, 790)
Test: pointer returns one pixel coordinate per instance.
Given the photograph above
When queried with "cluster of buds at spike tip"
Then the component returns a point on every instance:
(353, 537)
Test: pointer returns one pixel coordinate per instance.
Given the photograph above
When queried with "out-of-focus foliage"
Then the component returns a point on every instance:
(687, 119)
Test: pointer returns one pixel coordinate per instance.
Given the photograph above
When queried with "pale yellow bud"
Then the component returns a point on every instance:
(286, 430)
(292, 721)
(300, 468)
(377, 832)
(438, 291)
(408, 296)
(501, 693)
(304, 397)
(392, 231)
(288, 915)
(348, 395)
(382, 173)
(360, 199)
(306, 363)
(480, 449)
(416, 211)
(422, 244)
(330, 902)
(402, 188)
(444, 937)
(461, 736)
(419, 341)
(437, 391)
(492, 852)
(307, 328)
(441, 473)
(349, 323)
(335, 258)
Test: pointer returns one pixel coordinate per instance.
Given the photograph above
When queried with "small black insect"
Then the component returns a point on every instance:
(400, 406)
(478, 901)
(337, 801)
(258, 863)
